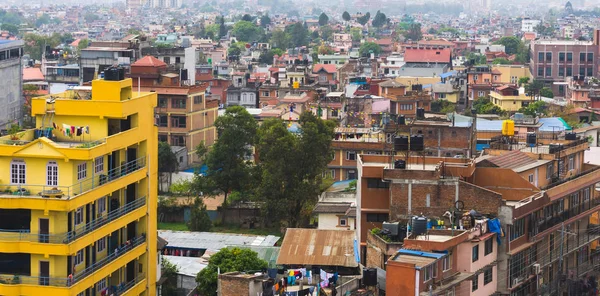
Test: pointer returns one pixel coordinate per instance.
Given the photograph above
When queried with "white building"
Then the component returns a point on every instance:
(528, 25)
(392, 65)
(336, 211)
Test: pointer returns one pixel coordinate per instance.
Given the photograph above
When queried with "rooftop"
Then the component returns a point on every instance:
(213, 241)
(319, 247)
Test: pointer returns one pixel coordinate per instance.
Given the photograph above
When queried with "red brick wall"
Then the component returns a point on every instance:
(231, 286)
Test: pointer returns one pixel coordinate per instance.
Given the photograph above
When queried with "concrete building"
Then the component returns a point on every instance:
(79, 200)
(184, 115)
(528, 25)
(164, 3)
(336, 210)
(241, 92)
(552, 61)
(11, 82)
(510, 98)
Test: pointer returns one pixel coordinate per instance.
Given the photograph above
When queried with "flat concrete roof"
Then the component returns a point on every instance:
(434, 238)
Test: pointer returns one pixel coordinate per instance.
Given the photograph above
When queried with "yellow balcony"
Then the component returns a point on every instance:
(35, 285)
(26, 144)
(67, 198)
(15, 241)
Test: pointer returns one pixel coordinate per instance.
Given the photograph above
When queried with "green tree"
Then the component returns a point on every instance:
(323, 19)
(247, 31)
(247, 18)
(364, 19)
(523, 81)
(298, 34)
(222, 27)
(501, 61)
(534, 109)
(265, 20)
(511, 44)
(414, 32)
(169, 272)
(227, 260)
(483, 105)
(534, 88)
(90, 17)
(292, 167)
(167, 163)
(234, 50)
(44, 19)
(369, 47)
(346, 16)
(34, 44)
(546, 92)
(356, 34)
(228, 168)
(327, 33)
(199, 219)
(280, 39)
(443, 106)
(13, 29)
(266, 57)
(83, 44)
(379, 20)
(476, 58)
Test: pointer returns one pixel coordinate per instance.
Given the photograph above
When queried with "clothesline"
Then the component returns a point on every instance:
(71, 130)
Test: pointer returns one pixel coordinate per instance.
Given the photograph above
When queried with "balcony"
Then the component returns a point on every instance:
(124, 249)
(572, 244)
(556, 220)
(69, 192)
(79, 232)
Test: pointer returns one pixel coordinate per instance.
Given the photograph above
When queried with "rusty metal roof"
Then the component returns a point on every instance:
(317, 247)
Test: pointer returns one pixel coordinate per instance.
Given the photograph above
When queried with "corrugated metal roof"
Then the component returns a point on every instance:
(331, 207)
(318, 247)
(512, 160)
(189, 266)
(213, 241)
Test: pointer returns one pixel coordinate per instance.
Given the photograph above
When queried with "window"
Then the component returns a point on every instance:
(162, 102)
(447, 262)
(351, 175)
(377, 217)
(177, 140)
(561, 71)
(79, 257)
(265, 94)
(198, 99)
(581, 70)
(571, 162)
(178, 103)
(475, 253)
(489, 246)
(481, 94)
(377, 183)
(163, 120)
(475, 77)
(517, 229)
(582, 56)
(52, 173)
(549, 170)
(79, 216)
(590, 57)
(177, 60)
(406, 106)
(167, 60)
(549, 57)
(540, 56)
(101, 205)
(17, 172)
(99, 164)
(430, 272)
(342, 221)
(540, 72)
(475, 283)
(178, 121)
(350, 155)
(82, 171)
(101, 285)
(530, 178)
(548, 71)
(163, 138)
(487, 276)
(561, 56)
(569, 71)
(101, 245)
(586, 195)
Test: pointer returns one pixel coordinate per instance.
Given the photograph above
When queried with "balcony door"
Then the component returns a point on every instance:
(44, 273)
(44, 231)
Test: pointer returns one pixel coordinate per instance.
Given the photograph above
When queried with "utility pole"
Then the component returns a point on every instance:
(560, 261)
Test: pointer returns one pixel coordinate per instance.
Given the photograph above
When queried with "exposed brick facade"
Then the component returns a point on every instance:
(378, 250)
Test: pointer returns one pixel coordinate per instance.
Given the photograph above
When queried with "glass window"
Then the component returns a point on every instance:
(549, 57)
(569, 71)
(342, 221)
(487, 276)
(350, 155)
(99, 164)
(561, 56)
(561, 71)
(52, 173)
(101, 285)
(540, 72)
(569, 56)
(101, 205)
(447, 262)
(163, 120)
(351, 175)
(590, 71)
(17, 172)
(517, 229)
(377, 183)
(475, 283)
(178, 103)
(78, 216)
(548, 71)
(590, 57)
(581, 70)
(582, 56)
(475, 253)
(374, 217)
(79, 257)
(489, 246)
(549, 170)
(82, 171)
(178, 121)
(162, 102)
(198, 99)
(540, 56)
(101, 245)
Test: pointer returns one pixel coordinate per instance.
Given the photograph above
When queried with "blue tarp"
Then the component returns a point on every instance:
(494, 226)
(489, 125)
(356, 252)
(422, 254)
(447, 74)
(553, 124)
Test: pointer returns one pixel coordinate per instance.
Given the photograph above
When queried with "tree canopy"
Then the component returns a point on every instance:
(298, 34)
(414, 32)
(227, 260)
(535, 108)
(323, 19)
(485, 106)
(199, 219)
(280, 39)
(364, 19)
(379, 20)
(247, 31)
(369, 47)
(167, 162)
(346, 16)
(265, 20)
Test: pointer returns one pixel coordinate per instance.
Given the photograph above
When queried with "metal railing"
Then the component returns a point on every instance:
(124, 287)
(67, 282)
(68, 192)
(68, 237)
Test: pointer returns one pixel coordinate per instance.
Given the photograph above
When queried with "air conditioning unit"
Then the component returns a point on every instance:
(536, 269)
(516, 281)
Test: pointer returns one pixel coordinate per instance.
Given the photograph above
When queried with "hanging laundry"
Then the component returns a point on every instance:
(78, 129)
(87, 129)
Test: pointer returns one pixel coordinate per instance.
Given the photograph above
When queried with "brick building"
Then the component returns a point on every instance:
(185, 117)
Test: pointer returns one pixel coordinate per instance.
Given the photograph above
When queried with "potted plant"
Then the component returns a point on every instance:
(13, 131)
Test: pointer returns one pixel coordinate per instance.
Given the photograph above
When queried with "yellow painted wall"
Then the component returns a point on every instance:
(58, 265)
(98, 127)
(512, 71)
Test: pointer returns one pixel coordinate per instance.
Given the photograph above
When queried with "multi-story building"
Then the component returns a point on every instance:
(510, 74)
(241, 92)
(102, 55)
(510, 98)
(528, 25)
(481, 80)
(555, 60)
(79, 192)
(583, 92)
(185, 116)
(11, 72)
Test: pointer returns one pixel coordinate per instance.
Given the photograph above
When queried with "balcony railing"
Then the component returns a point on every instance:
(68, 237)
(549, 288)
(124, 287)
(584, 238)
(545, 224)
(66, 282)
(68, 192)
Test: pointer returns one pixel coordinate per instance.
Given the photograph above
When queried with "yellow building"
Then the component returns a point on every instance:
(78, 195)
(512, 73)
(509, 98)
